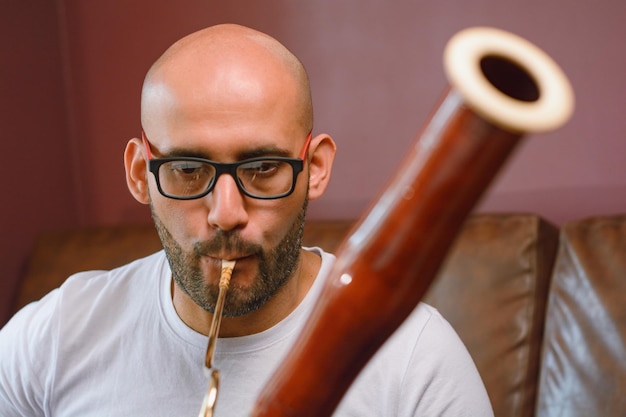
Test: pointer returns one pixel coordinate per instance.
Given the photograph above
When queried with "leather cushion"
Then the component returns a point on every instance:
(493, 290)
(584, 358)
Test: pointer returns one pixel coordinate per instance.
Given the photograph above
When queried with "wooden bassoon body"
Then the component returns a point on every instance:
(500, 88)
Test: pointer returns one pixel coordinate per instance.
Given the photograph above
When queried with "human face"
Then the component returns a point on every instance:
(263, 236)
(275, 266)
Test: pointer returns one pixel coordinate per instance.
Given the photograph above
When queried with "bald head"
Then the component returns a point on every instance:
(228, 66)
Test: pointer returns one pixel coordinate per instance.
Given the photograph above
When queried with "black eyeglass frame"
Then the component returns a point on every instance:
(297, 165)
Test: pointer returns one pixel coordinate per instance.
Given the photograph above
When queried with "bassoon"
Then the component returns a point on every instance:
(501, 87)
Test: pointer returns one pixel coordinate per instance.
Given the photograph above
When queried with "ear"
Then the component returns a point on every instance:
(136, 171)
(321, 156)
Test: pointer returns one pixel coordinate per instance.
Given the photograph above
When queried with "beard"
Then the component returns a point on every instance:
(275, 266)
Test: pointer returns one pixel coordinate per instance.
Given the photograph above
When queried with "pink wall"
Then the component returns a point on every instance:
(36, 173)
(376, 74)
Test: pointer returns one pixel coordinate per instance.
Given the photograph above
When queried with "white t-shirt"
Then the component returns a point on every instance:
(109, 343)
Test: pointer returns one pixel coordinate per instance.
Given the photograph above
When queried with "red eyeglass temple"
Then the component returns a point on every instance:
(146, 144)
(305, 149)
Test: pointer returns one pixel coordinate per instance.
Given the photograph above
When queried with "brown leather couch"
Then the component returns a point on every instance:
(541, 310)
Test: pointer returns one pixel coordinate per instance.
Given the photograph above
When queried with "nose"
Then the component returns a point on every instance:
(226, 205)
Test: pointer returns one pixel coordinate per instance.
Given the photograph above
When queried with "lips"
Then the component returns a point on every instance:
(241, 260)
(228, 257)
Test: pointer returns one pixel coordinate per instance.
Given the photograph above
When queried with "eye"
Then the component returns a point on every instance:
(187, 167)
(258, 168)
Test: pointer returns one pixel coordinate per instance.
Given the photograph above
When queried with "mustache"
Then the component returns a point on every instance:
(229, 242)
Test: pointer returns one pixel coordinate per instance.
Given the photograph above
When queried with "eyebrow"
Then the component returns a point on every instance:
(262, 151)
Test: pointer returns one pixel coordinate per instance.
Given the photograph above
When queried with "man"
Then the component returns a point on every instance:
(227, 162)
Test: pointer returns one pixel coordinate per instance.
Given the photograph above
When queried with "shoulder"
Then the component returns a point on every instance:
(424, 339)
(426, 344)
(81, 295)
(422, 369)
(426, 324)
(36, 338)
(98, 284)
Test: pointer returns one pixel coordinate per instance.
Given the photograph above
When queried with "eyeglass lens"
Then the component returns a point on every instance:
(265, 178)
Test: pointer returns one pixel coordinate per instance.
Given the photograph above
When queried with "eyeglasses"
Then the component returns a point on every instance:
(188, 178)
